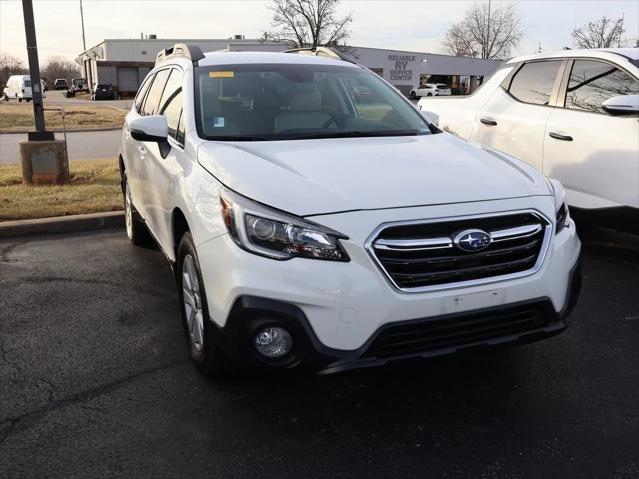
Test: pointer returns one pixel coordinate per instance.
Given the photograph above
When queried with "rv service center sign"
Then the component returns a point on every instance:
(401, 72)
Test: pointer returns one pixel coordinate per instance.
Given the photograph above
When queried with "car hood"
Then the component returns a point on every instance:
(310, 177)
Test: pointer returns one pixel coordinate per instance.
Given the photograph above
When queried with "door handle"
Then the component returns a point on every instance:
(488, 121)
(559, 136)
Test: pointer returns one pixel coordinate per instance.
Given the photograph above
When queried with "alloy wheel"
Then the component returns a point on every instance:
(192, 300)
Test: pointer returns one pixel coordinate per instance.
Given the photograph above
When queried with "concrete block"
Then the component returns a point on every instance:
(44, 162)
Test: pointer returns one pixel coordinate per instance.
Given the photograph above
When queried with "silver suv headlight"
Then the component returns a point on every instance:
(562, 215)
(275, 234)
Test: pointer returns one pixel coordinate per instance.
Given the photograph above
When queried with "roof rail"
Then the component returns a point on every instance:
(181, 50)
(322, 52)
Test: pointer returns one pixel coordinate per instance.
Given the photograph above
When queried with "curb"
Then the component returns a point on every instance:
(63, 224)
(82, 130)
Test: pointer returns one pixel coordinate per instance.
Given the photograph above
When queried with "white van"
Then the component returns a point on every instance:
(19, 88)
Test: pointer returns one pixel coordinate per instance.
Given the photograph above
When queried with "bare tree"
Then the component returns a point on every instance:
(59, 67)
(486, 31)
(603, 33)
(10, 65)
(308, 23)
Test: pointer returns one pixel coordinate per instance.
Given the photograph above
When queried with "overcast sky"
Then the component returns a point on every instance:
(417, 25)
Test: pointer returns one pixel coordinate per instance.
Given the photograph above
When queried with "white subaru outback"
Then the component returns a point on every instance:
(308, 229)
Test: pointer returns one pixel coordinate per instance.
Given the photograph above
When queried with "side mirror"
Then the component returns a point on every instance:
(149, 128)
(431, 117)
(622, 105)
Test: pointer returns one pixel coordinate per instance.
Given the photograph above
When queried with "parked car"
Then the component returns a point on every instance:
(103, 91)
(307, 239)
(430, 89)
(573, 116)
(79, 84)
(19, 88)
(61, 84)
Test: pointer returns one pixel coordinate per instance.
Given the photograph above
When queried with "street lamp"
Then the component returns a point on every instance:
(43, 158)
(34, 71)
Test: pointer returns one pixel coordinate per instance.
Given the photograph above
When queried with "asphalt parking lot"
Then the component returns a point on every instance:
(95, 381)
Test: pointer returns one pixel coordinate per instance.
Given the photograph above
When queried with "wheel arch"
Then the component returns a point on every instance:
(179, 226)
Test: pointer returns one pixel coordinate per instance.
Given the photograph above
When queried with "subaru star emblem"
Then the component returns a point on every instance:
(472, 240)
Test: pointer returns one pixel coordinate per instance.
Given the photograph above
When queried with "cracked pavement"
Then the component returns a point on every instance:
(95, 381)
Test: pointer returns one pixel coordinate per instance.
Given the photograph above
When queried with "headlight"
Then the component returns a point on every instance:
(562, 215)
(272, 233)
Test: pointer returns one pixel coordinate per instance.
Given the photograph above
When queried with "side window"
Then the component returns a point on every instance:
(152, 101)
(173, 84)
(592, 82)
(172, 111)
(139, 98)
(534, 81)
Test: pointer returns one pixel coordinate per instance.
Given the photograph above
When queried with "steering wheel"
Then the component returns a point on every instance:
(335, 119)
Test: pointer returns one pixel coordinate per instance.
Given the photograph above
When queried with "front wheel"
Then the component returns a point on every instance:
(429, 94)
(413, 95)
(205, 354)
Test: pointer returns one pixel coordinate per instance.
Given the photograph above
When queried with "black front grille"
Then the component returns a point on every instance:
(415, 337)
(426, 263)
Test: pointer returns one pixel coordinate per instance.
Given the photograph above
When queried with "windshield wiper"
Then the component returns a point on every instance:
(351, 134)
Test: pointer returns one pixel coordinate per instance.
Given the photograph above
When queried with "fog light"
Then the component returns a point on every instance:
(273, 343)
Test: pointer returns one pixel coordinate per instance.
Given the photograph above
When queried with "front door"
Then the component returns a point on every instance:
(593, 153)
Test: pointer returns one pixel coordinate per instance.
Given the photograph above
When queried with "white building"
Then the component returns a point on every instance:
(125, 62)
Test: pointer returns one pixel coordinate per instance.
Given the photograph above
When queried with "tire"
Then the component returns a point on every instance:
(429, 94)
(19, 100)
(198, 328)
(136, 230)
(413, 96)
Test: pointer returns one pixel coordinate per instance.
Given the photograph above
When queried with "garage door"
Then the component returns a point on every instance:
(127, 79)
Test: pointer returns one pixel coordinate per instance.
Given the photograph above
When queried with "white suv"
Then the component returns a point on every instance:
(573, 115)
(309, 229)
(430, 89)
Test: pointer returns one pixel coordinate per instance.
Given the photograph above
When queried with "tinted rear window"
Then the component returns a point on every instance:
(534, 81)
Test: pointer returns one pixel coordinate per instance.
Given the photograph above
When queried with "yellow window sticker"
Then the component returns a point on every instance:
(223, 74)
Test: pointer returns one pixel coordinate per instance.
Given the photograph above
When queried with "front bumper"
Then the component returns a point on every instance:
(513, 324)
(337, 310)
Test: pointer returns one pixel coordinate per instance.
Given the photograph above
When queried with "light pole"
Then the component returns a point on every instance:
(84, 43)
(34, 71)
(43, 158)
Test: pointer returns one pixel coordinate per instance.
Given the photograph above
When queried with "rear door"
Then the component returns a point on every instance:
(514, 119)
(593, 153)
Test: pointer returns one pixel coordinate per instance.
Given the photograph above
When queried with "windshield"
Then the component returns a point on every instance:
(27, 83)
(292, 101)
